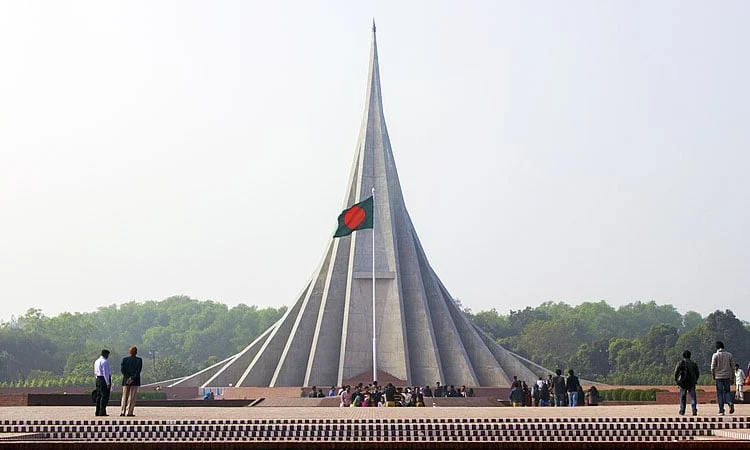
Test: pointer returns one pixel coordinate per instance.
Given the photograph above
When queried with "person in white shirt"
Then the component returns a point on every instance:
(103, 383)
(722, 370)
(739, 382)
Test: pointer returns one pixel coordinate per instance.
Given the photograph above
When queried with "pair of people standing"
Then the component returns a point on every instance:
(722, 370)
(566, 390)
(130, 367)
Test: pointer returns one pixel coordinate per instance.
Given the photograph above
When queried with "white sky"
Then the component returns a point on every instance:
(548, 151)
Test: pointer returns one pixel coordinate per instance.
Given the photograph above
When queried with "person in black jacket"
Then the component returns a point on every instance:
(572, 385)
(131, 378)
(558, 388)
(688, 385)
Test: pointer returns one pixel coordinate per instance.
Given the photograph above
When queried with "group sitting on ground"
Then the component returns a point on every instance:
(389, 396)
(556, 390)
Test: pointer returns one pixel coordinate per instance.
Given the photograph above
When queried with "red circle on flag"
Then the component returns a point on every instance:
(354, 217)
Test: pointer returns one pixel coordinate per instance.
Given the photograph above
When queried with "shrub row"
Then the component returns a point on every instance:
(145, 395)
(630, 395)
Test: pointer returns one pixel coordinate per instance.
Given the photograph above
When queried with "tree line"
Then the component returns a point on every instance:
(175, 337)
(637, 344)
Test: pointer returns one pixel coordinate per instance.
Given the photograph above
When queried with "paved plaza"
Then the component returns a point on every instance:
(631, 426)
(318, 413)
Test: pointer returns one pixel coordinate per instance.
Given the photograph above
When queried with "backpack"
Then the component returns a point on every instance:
(683, 376)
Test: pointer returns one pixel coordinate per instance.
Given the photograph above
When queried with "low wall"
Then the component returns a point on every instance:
(703, 396)
(46, 390)
(14, 400)
(232, 393)
(11, 395)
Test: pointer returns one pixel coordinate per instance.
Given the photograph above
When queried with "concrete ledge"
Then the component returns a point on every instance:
(85, 400)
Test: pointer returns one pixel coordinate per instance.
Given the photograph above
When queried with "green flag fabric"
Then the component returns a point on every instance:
(356, 217)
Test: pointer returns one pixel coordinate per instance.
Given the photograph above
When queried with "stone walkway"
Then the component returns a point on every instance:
(654, 427)
(276, 413)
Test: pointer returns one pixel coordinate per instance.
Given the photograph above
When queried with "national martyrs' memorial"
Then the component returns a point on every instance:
(374, 263)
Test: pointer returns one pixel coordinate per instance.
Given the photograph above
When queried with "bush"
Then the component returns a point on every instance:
(630, 395)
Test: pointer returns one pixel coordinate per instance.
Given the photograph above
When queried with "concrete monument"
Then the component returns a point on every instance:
(326, 337)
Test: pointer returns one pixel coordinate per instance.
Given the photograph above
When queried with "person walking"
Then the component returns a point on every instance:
(572, 385)
(103, 383)
(558, 387)
(739, 382)
(686, 375)
(722, 370)
(130, 367)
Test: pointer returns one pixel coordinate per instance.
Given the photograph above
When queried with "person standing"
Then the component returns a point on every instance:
(689, 368)
(558, 386)
(390, 395)
(130, 367)
(345, 397)
(516, 395)
(572, 385)
(739, 382)
(722, 370)
(103, 383)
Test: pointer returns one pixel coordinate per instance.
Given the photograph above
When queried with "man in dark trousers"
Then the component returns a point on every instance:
(131, 378)
(103, 383)
(690, 369)
(558, 387)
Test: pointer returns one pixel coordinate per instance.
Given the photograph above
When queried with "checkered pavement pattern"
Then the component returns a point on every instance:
(571, 429)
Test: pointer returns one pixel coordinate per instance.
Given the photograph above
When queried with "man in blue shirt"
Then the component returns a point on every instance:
(103, 383)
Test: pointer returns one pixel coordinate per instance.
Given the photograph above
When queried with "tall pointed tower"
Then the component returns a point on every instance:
(326, 337)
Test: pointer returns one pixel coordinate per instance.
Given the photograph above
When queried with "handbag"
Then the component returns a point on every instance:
(747, 380)
(95, 396)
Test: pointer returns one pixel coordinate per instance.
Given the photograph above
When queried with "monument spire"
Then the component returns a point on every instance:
(325, 338)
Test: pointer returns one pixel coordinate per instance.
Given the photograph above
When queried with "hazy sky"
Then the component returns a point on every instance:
(548, 151)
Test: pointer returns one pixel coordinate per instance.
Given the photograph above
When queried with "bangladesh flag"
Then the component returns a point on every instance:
(356, 217)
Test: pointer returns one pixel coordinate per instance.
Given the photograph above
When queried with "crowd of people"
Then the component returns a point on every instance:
(556, 390)
(373, 394)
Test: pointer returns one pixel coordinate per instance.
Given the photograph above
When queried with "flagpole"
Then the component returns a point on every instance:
(374, 339)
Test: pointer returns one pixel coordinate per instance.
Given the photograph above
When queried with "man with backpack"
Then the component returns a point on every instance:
(686, 375)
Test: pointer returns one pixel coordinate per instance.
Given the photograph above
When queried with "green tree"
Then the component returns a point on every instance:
(550, 343)
(725, 327)
(592, 360)
(690, 320)
(494, 324)
(659, 345)
(163, 369)
(638, 316)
